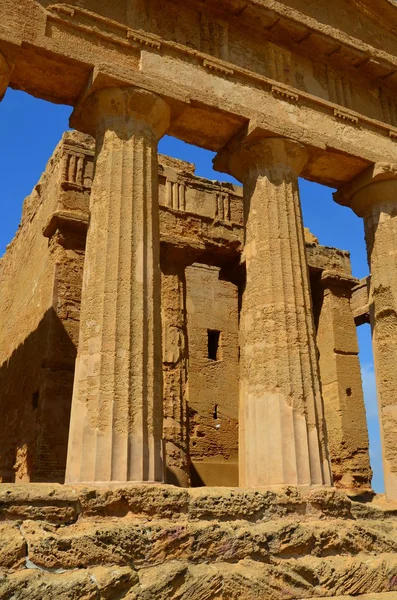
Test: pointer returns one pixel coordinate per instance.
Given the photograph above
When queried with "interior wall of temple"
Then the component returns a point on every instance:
(213, 383)
(175, 370)
(341, 383)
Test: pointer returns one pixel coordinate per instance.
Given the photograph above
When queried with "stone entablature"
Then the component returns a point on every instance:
(196, 58)
(218, 36)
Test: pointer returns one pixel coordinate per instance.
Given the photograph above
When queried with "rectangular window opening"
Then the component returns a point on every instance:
(213, 344)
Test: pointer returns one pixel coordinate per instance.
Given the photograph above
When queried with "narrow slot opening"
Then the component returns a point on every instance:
(35, 400)
(213, 344)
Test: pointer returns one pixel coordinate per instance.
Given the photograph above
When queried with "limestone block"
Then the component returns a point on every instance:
(50, 503)
(167, 501)
(142, 542)
(99, 583)
(133, 541)
(12, 546)
(172, 344)
(340, 335)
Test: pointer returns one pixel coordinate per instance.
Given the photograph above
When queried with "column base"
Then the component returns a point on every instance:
(113, 484)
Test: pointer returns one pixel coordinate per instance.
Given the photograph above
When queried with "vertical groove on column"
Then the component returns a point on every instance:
(308, 381)
(297, 377)
(319, 471)
(284, 368)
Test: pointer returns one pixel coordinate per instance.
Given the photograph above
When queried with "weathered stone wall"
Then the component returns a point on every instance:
(40, 293)
(212, 326)
(28, 324)
(175, 370)
(341, 380)
(164, 543)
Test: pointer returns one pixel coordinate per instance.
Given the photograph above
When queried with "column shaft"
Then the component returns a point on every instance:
(373, 196)
(381, 237)
(116, 422)
(282, 439)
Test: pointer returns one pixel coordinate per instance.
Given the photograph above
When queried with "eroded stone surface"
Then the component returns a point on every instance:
(341, 381)
(144, 542)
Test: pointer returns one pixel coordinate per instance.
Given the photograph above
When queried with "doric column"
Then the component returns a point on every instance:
(282, 433)
(116, 421)
(341, 383)
(5, 74)
(373, 196)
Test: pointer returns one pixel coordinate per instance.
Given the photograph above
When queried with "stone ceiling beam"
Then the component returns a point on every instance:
(5, 75)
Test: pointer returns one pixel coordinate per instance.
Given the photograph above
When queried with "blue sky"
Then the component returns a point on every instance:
(31, 129)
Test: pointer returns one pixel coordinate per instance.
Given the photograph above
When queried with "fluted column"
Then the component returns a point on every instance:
(282, 439)
(116, 421)
(5, 74)
(373, 196)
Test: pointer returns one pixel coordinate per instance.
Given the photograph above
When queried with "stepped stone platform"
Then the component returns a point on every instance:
(143, 542)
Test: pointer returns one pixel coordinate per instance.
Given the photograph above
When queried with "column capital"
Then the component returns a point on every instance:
(5, 74)
(375, 185)
(260, 153)
(117, 107)
(331, 279)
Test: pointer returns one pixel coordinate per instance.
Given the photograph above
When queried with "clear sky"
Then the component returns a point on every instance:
(30, 130)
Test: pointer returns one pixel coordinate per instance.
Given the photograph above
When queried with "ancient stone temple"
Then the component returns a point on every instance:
(180, 390)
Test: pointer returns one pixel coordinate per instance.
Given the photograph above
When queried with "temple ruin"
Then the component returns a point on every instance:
(201, 241)
(181, 395)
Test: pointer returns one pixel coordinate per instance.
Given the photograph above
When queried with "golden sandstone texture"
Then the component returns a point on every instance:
(201, 241)
(158, 327)
(161, 542)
